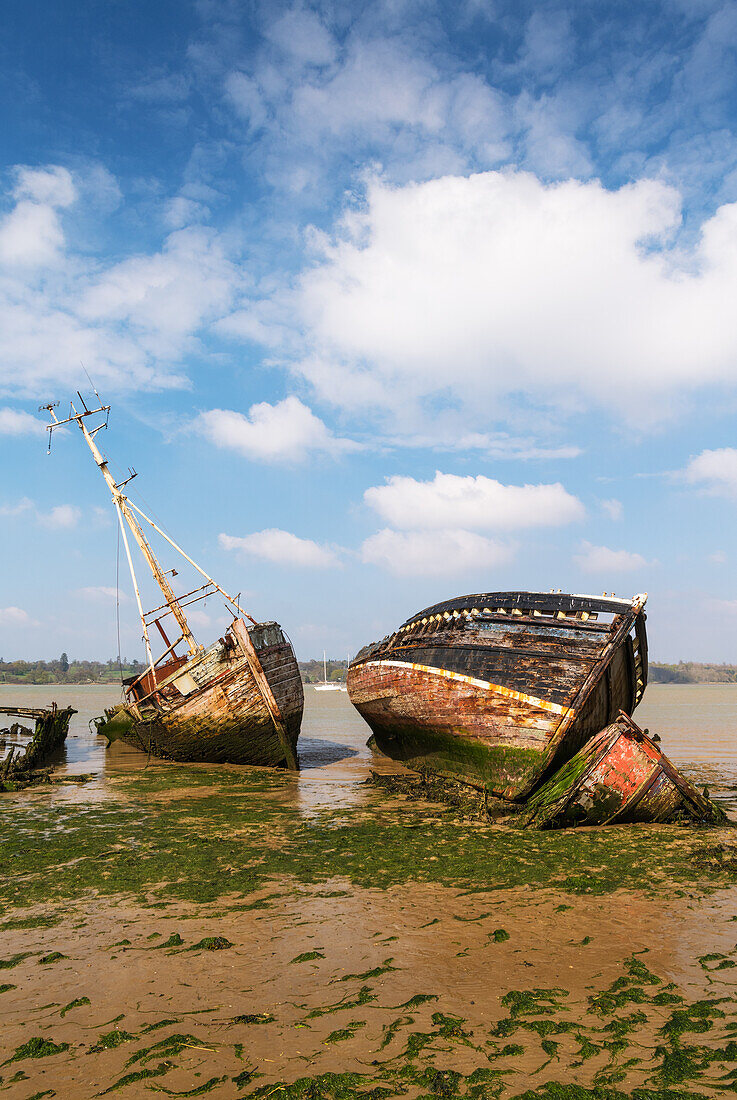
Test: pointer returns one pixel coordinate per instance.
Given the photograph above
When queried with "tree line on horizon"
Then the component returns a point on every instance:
(66, 671)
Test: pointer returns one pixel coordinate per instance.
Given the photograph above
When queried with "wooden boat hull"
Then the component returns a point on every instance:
(619, 777)
(498, 689)
(239, 702)
(51, 725)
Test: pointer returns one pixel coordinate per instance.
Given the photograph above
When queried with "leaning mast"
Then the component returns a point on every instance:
(123, 509)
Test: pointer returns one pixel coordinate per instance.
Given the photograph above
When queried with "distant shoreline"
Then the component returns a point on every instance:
(89, 673)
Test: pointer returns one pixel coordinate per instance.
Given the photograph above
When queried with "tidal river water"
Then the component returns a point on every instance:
(245, 933)
(697, 724)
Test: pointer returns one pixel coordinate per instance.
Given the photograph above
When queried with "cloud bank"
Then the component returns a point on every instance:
(600, 559)
(282, 548)
(284, 432)
(488, 286)
(472, 502)
(438, 521)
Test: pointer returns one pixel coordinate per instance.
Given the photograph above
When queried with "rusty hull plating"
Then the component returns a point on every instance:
(499, 689)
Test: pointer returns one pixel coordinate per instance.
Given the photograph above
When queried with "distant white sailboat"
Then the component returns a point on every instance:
(328, 685)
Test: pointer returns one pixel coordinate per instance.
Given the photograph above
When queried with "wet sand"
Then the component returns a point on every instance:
(385, 966)
(438, 987)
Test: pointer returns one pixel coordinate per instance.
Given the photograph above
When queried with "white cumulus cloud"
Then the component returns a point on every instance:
(613, 508)
(16, 422)
(282, 548)
(433, 553)
(102, 592)
(283, 432)
(23, 505)
(600, 559)
(16, 617)
(495, 284)
(472, 502)
(52, 185)
(31, 235)
(714, 471)
(61, 517)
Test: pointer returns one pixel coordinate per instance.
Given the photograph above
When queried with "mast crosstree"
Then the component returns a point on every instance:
(125, 510)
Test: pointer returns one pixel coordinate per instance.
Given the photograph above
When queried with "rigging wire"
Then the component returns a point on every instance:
(117, 602)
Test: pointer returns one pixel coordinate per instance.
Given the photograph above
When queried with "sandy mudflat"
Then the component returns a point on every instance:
(194, 930)
(394, 985)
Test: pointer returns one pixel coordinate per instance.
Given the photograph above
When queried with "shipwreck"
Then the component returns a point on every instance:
(28, 751)
(238, 700)
(619, 777)
(501, 689)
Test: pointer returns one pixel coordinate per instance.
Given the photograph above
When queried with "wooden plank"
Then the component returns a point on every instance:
(539, 601)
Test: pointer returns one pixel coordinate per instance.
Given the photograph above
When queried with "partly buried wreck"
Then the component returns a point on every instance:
(500, 689)
(238, 700)
(24, 753)
(619, 777)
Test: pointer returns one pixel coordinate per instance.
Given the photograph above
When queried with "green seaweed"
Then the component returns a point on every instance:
(417, 1000)
(385, 968)
(363, 997)
(328, 1086)
(245, 1078)
(110, 1040)
(202, 848)
(254, 1018)
(210, 943)
(6, 986)
(346, 1032)
(390, 1030)
(45, 920)
(168, 1047)
(14, 960)
(139, 1075)
(198, 1090)
(175, 940)
(307, 956)
(52, 957)
(158, 1025)
(76, 1003)
(37, 1047)
(499, 935)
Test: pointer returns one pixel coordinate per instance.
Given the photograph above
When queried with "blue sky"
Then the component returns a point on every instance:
(391, 301)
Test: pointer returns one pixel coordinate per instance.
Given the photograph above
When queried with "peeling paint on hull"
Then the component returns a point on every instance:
(499, 689)
(243, 704)
(619, 777)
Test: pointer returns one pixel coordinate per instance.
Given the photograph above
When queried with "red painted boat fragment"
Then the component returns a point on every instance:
(619, 777)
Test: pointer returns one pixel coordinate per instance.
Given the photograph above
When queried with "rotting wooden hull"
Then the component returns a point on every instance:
(239, 702)
(50, 732)
(620, 777)
(500, 689)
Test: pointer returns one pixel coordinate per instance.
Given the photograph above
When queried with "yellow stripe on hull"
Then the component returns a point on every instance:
(497, 689)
